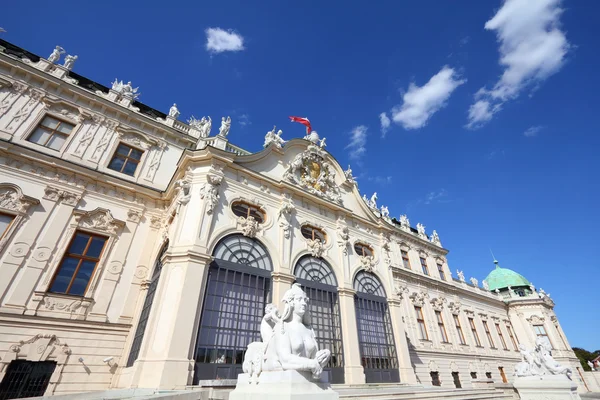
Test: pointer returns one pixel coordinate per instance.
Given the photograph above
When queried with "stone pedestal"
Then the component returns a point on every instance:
(546, 387)
(282, 385)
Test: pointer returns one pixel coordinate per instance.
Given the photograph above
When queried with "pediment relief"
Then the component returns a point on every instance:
(138, 139)
(100, 220)
(40, 347)
(311, 170)
(13, 199)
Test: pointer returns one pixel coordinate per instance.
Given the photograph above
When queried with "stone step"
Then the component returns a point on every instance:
(421, 393)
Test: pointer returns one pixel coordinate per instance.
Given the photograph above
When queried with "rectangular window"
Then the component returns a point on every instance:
(435, 378)
(441, 271)
(405, 259)
(512, 338)
(51, 133)
(540, 331)
(78, 264)
(474, 331)
(501, 337)
(421, 323)
(459, 330)
(126, 159)
(488, 334)
(424, 266)
(440, 322)
(5, 222)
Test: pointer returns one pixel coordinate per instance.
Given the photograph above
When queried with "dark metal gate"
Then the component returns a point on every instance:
(237, 290)
(375, 334)
(26, 379)
(318, 281)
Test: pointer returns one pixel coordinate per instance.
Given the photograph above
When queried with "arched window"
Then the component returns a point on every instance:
(310, 232)
(243, 209)
(363, 249)
(318, 281)
(237, 290)
(375, 334)
(147, 307)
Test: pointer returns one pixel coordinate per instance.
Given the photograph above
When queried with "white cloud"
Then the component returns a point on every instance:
(385, 123)
(436, 196)
(420, 103)
(244, 120)
(358, 142)
(533, 131)
(381, 180)
(532, 48)
(219, 40)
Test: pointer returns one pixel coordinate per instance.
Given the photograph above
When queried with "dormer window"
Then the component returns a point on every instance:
(363, 250)
(312, 233)
(245, 210)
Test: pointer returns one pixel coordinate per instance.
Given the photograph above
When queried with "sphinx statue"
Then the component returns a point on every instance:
(288, 340)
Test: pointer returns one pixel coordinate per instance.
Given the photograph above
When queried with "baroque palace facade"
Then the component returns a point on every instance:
(138, 251)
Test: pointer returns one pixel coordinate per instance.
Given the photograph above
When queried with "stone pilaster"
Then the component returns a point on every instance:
(353, 370)
(166, 356)
(280, 283)
(407, 373)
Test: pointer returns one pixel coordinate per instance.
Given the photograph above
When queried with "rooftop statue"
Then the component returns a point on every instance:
(404, 222)
(461, 275)
(288, 341)
(349, 176)
(485, 284)
(421, 229)
(225, 126)
(173, 111)
(372, 202)
(125, 89)
(474, 282)
(55, 55)
(274, 138)
(435, 238)
(385, 212)
(69, 61)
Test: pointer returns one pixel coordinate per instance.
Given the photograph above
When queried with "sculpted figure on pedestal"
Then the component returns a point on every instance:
(56, 53)
(288, 342)
(173, 111)
(225, 126)
(540, 361)
(69, 61)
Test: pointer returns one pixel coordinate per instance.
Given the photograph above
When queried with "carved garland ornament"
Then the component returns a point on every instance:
(315, 247)
(210, 192)
(418, 298)
(367, 263)
(286, 209)
(312, 172)
(438, 303)
(248, 226)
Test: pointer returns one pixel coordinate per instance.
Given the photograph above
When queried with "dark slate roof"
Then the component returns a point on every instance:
(10, 49)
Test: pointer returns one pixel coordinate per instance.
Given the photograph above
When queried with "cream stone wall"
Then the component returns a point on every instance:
(182, 192)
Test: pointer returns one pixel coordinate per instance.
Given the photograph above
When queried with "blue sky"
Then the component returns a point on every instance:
(492, 136)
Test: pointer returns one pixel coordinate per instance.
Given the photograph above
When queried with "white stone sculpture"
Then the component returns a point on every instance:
(312, 137)
(225, 126)
(274, 138)
(286, 209)
(385, 212)
(485, 284)
(173, 111)
(248, 226)
(474, 282)
(421, 230)
(56, 53)
(343, 237)
(461, 275)
(435, 238)
(540, 361)
(367, 263)
(288, 341)
(69, 61)
(315, 247)
(348, 174)
(539, 376)
(125, 89)
(404, 222)
(591, 365)
(372, 202)
(210, 192)
(322, 143)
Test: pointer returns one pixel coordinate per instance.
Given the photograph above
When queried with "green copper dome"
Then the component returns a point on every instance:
(502, 278)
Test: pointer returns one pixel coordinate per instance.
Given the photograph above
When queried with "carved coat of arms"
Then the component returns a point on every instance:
(311, 171)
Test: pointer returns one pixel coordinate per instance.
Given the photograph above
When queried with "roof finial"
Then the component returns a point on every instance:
(495, 261)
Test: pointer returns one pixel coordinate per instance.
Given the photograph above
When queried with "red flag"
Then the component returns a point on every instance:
(303, 121)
